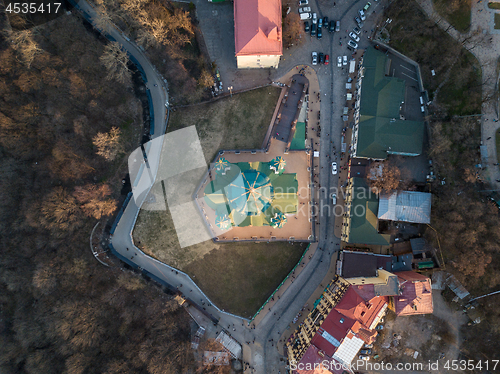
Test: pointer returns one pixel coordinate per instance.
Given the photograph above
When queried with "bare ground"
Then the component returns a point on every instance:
(429, 335)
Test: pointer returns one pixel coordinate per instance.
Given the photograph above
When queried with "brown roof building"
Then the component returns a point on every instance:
(415, 295)
(257, 33)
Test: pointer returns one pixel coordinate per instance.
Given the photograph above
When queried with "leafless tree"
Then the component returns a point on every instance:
(108, 143)
(26, 47)
(95, 200)
(115, 60)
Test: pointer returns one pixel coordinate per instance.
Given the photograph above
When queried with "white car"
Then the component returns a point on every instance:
(339, 62)
(354, 36)
(303, 2)
(334, 168)
(305, 9)
(362, 14)
(334, 198)
(364, 358)
(315, 58)
(352, 44)
(315, 18)
(344, 60)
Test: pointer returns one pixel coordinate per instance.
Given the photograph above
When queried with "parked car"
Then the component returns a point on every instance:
(366, 351)
(305, 16)
(364, 358)
(352, 44)
(325, 21)
(315, 18)
(313, 30)
(367, 6)
(320, 22)
(334, 168)
(315, 58)
(303, 2)
(368, 346)
(306, 27)
(320, 32)
(334, 198)
(305, 9)
(350, 48)
(379, 327)
(339, 62)
(331, 26)
(353, 36)
(361, 14)
(356, 30)
(358, 21)
(337, 26)
(321, 58)
(344, 60)
(327, 59)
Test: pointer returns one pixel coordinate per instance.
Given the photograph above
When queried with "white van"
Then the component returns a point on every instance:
(421, 101)
(305, 16)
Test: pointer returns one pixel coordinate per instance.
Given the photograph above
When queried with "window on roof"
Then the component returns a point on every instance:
(363, 313)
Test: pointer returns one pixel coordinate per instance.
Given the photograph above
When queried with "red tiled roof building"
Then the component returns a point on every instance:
(257, 33)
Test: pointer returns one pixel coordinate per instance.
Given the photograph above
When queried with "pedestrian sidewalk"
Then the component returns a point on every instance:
(308, 306)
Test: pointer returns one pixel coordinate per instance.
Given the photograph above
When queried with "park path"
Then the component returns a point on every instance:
(483, 41)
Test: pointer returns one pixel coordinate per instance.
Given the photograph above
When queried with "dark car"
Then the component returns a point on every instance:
(313, 29)
(320, 32)
(325, 21)
(306, 26)
(331, 26)
(321, 58)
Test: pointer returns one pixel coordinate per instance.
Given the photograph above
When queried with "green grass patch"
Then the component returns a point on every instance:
(494, 5)
(466, 73)
(497, 21)
(456, 12)
(238, 122)
(238, 277)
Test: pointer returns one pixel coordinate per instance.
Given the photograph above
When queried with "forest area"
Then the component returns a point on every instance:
(169, 34)
(66, 128)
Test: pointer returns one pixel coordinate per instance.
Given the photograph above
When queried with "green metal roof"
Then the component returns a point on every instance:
(381, 132)
(363, 216)
(380, 136)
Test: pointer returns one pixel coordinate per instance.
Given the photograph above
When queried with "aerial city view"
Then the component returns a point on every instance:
(250, 186)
